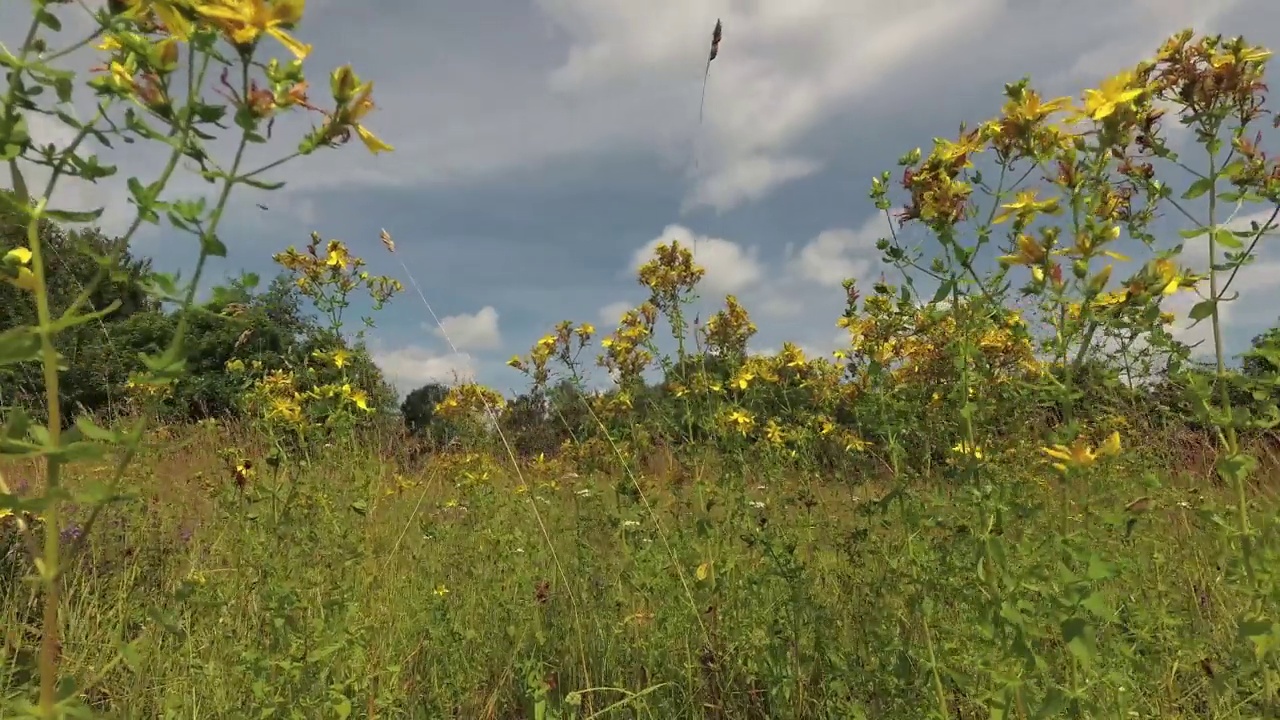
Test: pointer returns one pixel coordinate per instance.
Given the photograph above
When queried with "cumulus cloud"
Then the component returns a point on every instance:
(837, 254)
(412, 366)
(730, 267)
(610, 314)
(783, 68)
(794, 296)
(747, 180)
(471, 331)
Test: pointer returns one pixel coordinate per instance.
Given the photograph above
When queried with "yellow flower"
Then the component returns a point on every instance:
(1169, 277)
(371, 141)
(245, 20)
(167, 10)
(356, 104)
(773, 432)
(741, 420)
(441, 590)
(1030, 106)
(340, 358)
(19, 258)
(963, 449)
(1030, 252)
(1115, 92)
(1025, 205)
(1080, 455)
(358, 397)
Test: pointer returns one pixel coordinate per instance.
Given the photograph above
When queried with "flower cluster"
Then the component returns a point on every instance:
(564, 346)
(470, 401)
(627, 352)
(728, 331)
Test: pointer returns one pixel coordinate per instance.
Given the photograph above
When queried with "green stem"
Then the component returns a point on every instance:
(49, 644)
(1219, 350)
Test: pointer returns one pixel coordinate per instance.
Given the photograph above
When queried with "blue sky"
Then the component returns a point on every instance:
(541, 144)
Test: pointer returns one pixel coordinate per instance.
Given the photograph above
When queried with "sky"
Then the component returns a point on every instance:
(543, 147)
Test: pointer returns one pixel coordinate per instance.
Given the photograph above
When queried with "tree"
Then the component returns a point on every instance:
(96, 368)
(419, 409)
(1263, 357)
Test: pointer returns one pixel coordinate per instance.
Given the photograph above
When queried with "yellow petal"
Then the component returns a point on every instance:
(372, 141)
(26, 280)
(1112, 444)
(173, 20)
(21, 255)
(288, 12)
(300, 49)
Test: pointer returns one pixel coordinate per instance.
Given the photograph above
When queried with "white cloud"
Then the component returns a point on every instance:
(782, 69)
(412, 366)
(730, 268)
(835, 255)
(566, 78)
(796, 296)
(610, 314)
(748, 180)
(471, 331)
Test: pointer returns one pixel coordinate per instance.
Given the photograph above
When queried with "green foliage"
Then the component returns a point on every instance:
(97, 365)
(955, 517)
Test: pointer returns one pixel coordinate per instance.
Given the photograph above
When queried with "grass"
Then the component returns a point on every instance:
(1014, 534)
(384, 588)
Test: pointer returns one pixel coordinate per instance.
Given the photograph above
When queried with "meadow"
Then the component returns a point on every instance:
(1014, 493)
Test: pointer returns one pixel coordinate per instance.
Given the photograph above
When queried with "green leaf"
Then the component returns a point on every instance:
(16, 425)
(1078, 634)
(1100, 569)
(1263, 634)
(1198, 188)
(92, 431)
(1227, 239)
(49, 20)
(944, 290)
(1202, 309)
(131, 657)
(1233, 468)
(74, 216)
(212, 246)
(20, 344)
(1193, 233)
(261, 184)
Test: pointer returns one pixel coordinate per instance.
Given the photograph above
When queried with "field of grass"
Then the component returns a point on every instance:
(362, 585)
(1014, 492)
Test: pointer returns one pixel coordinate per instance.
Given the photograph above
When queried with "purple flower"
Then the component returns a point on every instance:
(71, 533)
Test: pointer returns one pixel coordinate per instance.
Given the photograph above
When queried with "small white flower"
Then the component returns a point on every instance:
(757, 504)
(630, 523)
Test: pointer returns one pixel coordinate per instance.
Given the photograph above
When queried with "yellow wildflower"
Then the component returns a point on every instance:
(1114, 93)
(244, 21)
(1030, 252)
(1027, 204)
(1080, 455)
(19, 258)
